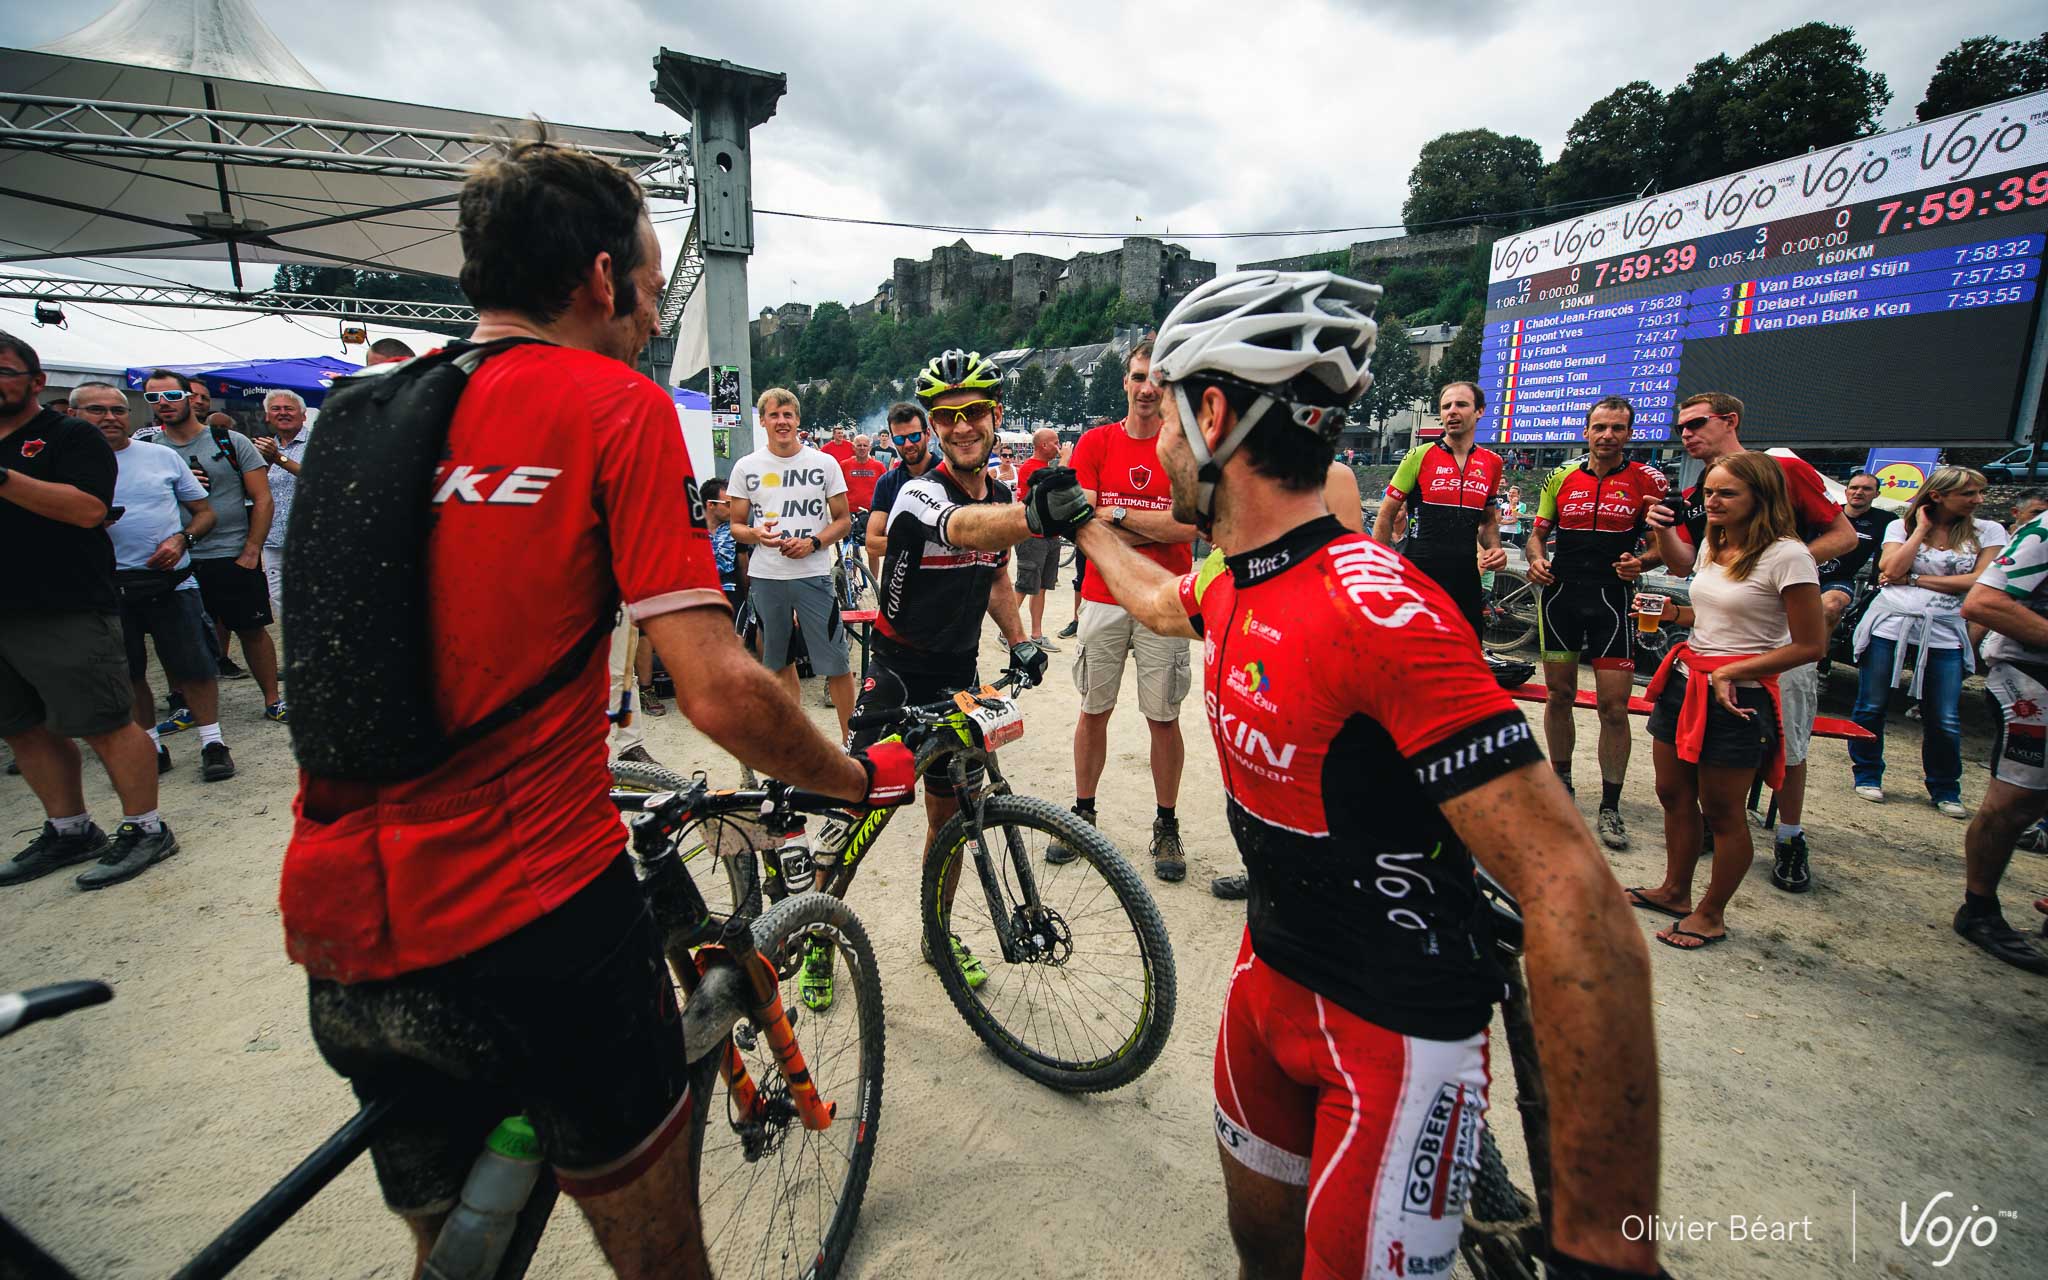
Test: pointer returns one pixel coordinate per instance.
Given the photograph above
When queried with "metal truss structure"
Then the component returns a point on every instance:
(87, 128)
(388, 310)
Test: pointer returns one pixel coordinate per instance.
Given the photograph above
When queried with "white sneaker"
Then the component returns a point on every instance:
(1951, 809)
(1873, 794)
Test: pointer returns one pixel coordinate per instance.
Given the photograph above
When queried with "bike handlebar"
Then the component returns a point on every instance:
(1011, 680)
(19, 1008)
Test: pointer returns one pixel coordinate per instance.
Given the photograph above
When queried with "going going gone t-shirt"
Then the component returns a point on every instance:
(790, 497)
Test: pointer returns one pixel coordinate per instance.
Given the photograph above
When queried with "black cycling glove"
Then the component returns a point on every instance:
(1029, 659)
(1056, 506)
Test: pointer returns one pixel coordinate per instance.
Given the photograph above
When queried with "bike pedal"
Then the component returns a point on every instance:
(744, 1035)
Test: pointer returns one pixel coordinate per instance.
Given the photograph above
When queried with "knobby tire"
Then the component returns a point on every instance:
(1089, 1051)
(792, 1210)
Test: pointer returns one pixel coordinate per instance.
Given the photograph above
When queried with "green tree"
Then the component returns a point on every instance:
(1476, 174)
(1105, 400)
(1614, 149)
(1982, 70)
(1027, 393)
(1799, 90)
(827, 346)
(1695, 149)
(828, 405)
(1064, 397)
(347, 282)
(1460, 362)
(1397, 376)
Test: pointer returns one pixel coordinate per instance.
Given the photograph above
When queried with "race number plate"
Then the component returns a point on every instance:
(996, 725)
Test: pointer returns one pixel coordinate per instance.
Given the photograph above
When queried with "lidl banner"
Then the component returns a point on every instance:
(1901, 472)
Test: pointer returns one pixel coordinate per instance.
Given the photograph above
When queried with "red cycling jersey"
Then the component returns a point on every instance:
(565, 487)
(1450, 501)
(1125, 472)
(1328, 661)
(1598, 518)
(1812, 509)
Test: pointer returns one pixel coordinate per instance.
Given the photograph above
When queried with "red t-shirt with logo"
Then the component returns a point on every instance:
(544, 510)
(860, 480)
(1123, 472)
(1026, 469)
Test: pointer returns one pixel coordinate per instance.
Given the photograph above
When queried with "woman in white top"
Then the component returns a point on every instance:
(1930, 559)
(1755, 612)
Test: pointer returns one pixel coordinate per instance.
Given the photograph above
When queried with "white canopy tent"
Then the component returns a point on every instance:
(185, 129)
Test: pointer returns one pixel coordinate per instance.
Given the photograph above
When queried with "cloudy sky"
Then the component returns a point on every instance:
(1063, 115)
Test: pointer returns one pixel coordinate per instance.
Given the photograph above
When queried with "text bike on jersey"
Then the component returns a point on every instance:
(1599, 519)
(1347, 704)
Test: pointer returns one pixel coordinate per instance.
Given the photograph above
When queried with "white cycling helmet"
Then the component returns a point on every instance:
(1300, 339)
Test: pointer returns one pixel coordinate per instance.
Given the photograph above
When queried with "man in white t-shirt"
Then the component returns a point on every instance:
(788, 502)
(2011, 599)
(164, 510)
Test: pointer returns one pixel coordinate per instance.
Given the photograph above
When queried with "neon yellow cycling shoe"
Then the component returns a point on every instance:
(814, 978)
(970, 965)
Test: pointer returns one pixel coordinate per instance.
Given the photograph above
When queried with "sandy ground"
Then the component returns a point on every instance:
(1843, 1045)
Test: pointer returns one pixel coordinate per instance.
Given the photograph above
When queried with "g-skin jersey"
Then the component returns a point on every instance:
(1447, 501)
(1598, 518)
(1348, 702)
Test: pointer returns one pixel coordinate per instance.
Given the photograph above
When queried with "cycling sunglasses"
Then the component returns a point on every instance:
(912, 438)
(171, 396)
(974, 411)
(1699, 423)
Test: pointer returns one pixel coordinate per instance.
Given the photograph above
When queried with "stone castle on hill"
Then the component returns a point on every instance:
(1141, 270)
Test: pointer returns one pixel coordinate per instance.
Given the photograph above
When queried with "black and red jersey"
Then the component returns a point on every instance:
(1448, 501)
(1348, 701)
(933, 593)
(1598, 518)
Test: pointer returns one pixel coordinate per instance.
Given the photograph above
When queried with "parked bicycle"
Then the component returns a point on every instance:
(784, 1126)
(1080, 994)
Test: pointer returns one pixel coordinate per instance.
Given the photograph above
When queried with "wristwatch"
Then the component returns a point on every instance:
(1117, 514)
(186, 534)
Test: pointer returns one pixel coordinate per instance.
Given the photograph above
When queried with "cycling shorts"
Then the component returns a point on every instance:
(1590, 619)
(571, 1021)
(2017, 755)
(1383, 1129)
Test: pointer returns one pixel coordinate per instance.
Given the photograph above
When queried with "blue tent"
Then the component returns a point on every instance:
(310, 376)
(689, 399)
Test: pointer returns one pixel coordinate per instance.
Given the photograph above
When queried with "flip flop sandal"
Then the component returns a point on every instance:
(1640, 900)
(1701, 940)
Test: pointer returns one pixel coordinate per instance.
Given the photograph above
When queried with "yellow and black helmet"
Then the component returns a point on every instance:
(958, 370)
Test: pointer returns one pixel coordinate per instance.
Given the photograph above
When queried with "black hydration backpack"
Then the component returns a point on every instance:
(358, 650)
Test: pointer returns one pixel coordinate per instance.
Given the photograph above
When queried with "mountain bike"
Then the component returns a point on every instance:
(783, 1125)
(1080, 992)
(1509, 617)
(850, 577)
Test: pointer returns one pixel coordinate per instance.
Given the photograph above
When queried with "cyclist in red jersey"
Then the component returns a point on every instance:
(1351, 1067)
(1597, 509)
(474, 941)
(1454, 484)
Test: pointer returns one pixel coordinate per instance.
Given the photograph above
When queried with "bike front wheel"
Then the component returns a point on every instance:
(718, 853)
(776, 1199)
(1510, 617)
(1086, 1001)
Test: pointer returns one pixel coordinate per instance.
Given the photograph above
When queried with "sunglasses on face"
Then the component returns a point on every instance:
(975, 412)
(1699, 423)
(170, 396)
(912, 438)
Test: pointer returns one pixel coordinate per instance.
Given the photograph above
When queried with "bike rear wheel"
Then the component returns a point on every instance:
(1089, 1009)
(719, 854)
(779, 1200)
(1510, 617)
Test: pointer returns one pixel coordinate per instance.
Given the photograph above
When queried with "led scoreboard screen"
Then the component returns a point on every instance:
(1888, 290)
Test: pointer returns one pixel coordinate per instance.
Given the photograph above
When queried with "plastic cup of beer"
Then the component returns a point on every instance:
(1649, 612)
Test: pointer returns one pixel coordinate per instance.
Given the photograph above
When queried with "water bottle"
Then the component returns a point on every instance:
(825, 857)
(480, 1229)
(794, 859)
